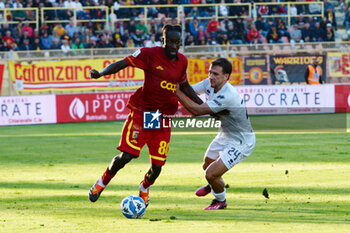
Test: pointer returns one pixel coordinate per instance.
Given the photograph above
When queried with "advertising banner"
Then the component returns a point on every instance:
(72, 75)
(339, 64)
(288, 99)
(342, 98)
(255, 71)
(291, 69)
(97, 107)
(92, 107)
(27, 110)
(2, 69)
(198, 70)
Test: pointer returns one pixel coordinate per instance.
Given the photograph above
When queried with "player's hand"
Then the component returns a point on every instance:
(94, 74)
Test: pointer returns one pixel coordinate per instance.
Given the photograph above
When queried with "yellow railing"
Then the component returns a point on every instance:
(9, 14)
(75, 18)
(180, 11)
(288, 15)
(189, 51)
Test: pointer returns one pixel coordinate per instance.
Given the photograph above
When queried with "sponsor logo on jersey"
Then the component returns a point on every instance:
(220, 97)
(135, 54)
(168, 86)
(217, 102)
(151, 120)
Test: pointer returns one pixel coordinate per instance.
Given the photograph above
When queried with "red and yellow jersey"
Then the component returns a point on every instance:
(161, 77)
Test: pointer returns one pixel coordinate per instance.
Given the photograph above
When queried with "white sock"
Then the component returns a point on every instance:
(101, 183)
(219, 196)
(142, 188)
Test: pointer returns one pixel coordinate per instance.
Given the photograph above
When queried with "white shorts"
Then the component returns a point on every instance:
(230, 153)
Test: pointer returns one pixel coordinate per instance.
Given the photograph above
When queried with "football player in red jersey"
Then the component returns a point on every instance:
(164, 68)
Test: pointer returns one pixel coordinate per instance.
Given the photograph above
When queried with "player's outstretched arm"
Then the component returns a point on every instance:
(111, 69)
(188, 90)
(191, 106)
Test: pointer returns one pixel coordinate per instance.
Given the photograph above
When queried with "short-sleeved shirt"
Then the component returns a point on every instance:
(161, 77)
(231, 111)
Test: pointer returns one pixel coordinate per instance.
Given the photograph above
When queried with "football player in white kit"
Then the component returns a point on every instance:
(235, 140)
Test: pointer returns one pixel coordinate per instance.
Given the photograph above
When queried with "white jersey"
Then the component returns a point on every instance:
(230, 109)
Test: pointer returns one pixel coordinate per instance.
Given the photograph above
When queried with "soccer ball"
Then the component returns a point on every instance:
(133, 206)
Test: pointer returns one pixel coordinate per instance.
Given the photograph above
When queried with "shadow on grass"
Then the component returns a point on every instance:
(49, 185)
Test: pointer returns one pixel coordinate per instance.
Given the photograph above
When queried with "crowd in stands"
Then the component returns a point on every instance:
(203, 27)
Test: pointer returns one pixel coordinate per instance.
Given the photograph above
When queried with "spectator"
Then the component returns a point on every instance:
(225, 24)
(65, 37)
(189, 41)
(253, 35)
(274, 9)
(212, 26)
(239, 26)
(282, 29)
(263, 10)
(225, 40)
(46, 40)
(70, 28)
(24, 37)
(261, 26)
(152, 42)
(77, 44)
(8, 39)
(319, 33)
(138, 38)
(347, 20)
(130, 43)
(142, 27)
(273, 36)
(194, 27)
(36, 45)
(20, 14)
(296, 36)
(329, 33)
(201, 36)
(5, 28)
(59, 28)
(25, 46)
(132, 27)
(331, 17)
(328, 5)
(223, 9)
(65, 47)
(293, 13)
(307, 33)
(86, 38)
(233, 35)
(238, 9)
(93, 43)
(55, 44)
(119, 43)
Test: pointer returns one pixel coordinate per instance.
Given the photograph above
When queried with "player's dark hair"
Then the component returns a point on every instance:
(168, 27)
(225, 64)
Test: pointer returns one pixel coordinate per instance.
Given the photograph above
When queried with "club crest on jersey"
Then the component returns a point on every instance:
(135, 134)
(151, 120)
(159, 68)
(168, 86)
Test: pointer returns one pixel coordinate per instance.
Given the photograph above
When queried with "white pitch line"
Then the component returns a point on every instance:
(173, 133)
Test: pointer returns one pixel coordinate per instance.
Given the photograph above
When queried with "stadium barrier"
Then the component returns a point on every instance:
(71, 74)
(260, 100)
(288, 16)
(19, 15)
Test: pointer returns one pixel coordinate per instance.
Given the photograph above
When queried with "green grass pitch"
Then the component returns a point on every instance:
(46, 172)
